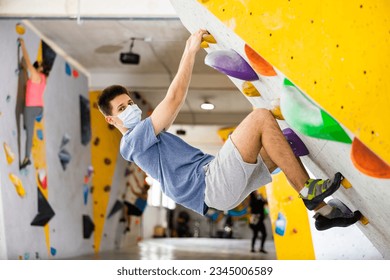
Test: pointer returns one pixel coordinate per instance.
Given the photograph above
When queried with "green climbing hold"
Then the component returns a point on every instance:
(306, 117)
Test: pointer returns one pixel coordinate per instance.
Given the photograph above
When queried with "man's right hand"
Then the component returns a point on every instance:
(193, 42)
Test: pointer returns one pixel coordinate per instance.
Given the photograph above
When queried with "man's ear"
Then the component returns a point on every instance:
(109, 120)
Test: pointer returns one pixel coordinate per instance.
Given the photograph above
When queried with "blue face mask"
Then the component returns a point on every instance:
(130, 116)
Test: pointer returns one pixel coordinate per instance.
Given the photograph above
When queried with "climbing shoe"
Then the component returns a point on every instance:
(340, 216)
(318, 190)
(24, 164)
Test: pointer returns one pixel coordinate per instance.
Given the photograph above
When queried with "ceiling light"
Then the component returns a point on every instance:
(207, 106)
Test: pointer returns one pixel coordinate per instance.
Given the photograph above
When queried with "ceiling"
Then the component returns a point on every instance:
(96, 45)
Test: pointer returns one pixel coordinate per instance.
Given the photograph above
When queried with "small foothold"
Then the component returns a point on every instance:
(364, 220)
(346, 184)
(295, 230)
(276, 111)
(107, 161)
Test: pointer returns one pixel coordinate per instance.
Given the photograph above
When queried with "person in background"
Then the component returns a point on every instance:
(136, 208)
(35, 88)
(256, 221)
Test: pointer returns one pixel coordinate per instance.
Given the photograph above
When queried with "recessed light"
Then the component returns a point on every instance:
(207, 106)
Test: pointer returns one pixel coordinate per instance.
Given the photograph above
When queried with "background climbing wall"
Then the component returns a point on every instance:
(288, 36)
(106, 140)
(69, 181)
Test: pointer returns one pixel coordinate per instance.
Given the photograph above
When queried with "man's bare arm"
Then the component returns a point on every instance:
(166, 112)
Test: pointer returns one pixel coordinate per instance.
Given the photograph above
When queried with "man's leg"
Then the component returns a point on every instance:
(260, 133)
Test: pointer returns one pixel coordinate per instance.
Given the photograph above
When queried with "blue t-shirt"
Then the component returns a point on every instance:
(171, 161)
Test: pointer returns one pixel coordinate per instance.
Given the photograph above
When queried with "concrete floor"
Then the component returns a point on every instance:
(187, 249)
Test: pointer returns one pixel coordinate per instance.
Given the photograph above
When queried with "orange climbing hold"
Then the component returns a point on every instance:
(368, 162)
(259, 64)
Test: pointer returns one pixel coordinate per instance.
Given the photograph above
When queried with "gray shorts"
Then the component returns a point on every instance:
(229, 180)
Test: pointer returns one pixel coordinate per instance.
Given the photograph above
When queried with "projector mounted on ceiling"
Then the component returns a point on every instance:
(130, 57)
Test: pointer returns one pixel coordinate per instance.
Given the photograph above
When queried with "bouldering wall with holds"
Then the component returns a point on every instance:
(104, 149)
(48, 208)
(310, 63)
(18, 188)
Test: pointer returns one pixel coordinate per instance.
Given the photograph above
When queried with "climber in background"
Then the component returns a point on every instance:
(35, 88)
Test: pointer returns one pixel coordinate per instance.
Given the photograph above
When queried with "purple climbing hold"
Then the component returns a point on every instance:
(296, 144)
(232, 64)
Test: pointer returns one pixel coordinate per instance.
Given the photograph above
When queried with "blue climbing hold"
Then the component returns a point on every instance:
(86, 191)
(40, 134)
(68, 70)
(53, 251)
(280, 224)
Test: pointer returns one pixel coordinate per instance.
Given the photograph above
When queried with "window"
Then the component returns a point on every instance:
(156, 197)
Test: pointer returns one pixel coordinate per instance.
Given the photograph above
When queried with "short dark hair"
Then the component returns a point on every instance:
(108, 94)
(45, 68)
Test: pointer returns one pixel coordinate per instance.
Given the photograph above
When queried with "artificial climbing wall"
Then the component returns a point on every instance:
(48, 209)
(320, 68)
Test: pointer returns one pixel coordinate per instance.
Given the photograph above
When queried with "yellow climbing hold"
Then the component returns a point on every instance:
(8, 153)
(18, 184)
(204, 45)
(346, 184)
(276, 109)
(20, 29)
(249, 89)
(364, 220)
(209, 39)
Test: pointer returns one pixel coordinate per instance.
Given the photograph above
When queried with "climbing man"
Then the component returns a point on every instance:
(197, 180)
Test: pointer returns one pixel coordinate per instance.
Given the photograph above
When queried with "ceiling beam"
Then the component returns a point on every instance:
(208, 118)
(100, 80)
(84, 9)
